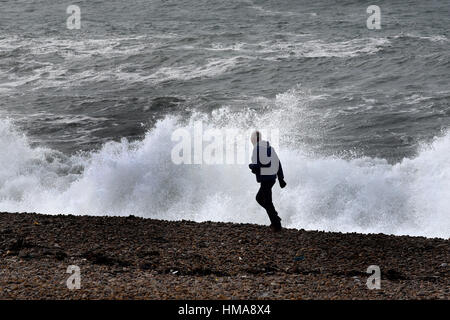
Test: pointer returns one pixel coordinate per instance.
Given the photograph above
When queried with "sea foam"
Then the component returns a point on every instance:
(361, 194)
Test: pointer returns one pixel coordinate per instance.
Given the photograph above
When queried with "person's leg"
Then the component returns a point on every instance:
(264, 198)
(270, 208)
(261, 195)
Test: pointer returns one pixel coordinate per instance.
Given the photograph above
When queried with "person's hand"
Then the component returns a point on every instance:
(253, 167)
(282, 183)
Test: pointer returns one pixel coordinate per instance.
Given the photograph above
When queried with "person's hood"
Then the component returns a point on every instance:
(264, 144)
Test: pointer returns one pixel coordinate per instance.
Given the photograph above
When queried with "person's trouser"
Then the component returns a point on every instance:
(264, 198)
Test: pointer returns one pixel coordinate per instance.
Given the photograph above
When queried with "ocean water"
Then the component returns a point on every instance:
(86, 116)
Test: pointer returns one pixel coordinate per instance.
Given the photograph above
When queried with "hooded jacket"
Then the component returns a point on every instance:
(265, 163)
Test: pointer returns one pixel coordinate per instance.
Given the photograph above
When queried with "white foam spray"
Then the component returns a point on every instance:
(326, 193)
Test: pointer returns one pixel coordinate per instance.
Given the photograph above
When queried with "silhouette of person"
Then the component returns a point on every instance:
(267, 167)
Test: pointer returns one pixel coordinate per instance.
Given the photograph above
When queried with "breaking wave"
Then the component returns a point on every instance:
(362, 194)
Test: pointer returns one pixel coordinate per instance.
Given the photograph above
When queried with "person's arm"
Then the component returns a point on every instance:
(254, 166)
(280, 173)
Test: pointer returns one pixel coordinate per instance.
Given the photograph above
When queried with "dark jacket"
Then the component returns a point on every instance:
(265, 163)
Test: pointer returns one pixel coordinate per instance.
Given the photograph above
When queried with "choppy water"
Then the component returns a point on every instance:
(363, 113)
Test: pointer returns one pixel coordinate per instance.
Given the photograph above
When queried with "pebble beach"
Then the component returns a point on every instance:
(137, 258)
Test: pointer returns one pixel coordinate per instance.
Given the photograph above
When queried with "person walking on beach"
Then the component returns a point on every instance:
(267, 167)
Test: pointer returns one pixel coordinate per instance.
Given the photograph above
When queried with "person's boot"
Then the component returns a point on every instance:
(275, 226)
